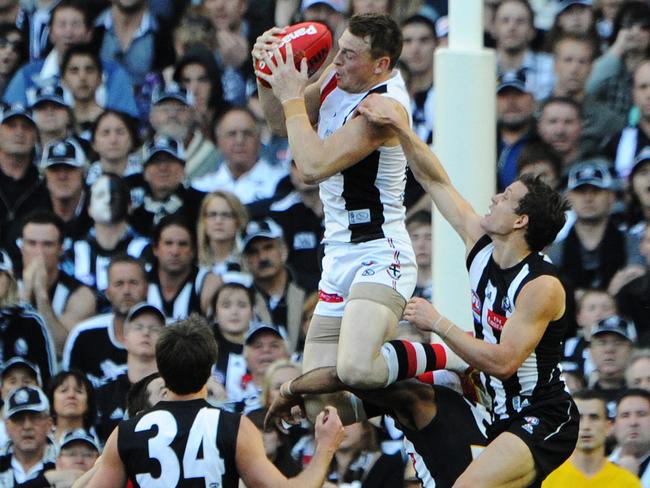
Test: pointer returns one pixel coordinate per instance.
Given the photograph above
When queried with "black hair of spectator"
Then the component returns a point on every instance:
(44, 216)
(172, 220)
(250, 293)
(592, 41)
(546, 212)
(589, 394)
(79, 5)
(7, 28)
(87, 50)
(523, 3)
(421, 217)
(631, 12)
(420, 19)
(137, 398)
(633, 392)
(126, 259)
(384, 33)
(81, 379)
(634, 211)
(200, 55)
(563, 100)
(538, 152)
(185, 353)
(129, 122)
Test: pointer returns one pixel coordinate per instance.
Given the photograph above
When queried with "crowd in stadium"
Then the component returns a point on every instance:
(140, 183)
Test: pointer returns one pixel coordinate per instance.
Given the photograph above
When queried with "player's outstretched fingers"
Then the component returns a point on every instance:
(266, 42)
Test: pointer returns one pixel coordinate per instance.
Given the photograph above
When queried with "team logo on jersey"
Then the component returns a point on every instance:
(496, 321)
(531, 423)
(329, 297)
(368, 272)
(476, 304)
(506, 305)
(394, 271)
(20, 347)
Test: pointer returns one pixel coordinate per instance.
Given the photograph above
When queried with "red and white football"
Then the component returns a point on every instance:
(310, 40)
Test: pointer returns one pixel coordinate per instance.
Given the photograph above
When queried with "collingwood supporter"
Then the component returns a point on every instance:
(59, 298)
(12, 52)
(31, 451)
(96, 346)
(573, 17)
(164, 193)
(21, 188)
(72, 403)
(52, 114)
(279, 299)
(637, 373)
(539, 159)
(63, 166)
(142, 328)
(418, 225)
(222, 221)
(78, 451)
(177, 286)
(300, 214)
(559, 125)
(70, 25)
(110, 234)
(243, 172)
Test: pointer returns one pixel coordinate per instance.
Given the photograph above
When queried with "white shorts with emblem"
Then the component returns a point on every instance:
(386, 261)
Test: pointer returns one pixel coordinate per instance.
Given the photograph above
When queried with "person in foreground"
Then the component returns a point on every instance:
(518, 306)
(184, 442)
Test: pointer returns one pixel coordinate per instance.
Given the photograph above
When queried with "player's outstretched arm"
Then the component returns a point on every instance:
(110, 472)
(258, 472)
(426, 168)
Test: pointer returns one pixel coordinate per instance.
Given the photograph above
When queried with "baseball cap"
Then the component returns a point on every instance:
(237, 278)
(257, 327)
(66, 151)
(442, 27)
(593, 172)
(142, 307)
(164, 144)
(426, 15)
(79, 435)
(17, 110)
(565, 4)
(261, 228)
(172, 92)
(615, 325)
(642, 157)
(341, 6)
(50, 93)
(21, 361)
(512, 79)
(26, 399)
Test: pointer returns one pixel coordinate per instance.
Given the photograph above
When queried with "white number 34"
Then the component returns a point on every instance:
(202, 436)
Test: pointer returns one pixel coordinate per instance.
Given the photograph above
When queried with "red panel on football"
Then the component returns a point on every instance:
(310, 40)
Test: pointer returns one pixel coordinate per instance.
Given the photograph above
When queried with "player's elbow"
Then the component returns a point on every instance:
(505, 369)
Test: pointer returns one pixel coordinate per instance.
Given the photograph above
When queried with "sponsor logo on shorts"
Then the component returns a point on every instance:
(531, 423)
(394, 271)
(496, 321)
(329, 297)
(359, 216)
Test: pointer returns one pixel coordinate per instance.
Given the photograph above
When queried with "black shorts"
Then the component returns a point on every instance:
(549, 429)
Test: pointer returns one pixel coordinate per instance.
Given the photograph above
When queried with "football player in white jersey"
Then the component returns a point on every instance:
(369, 268)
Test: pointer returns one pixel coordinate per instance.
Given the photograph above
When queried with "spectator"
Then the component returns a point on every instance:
(233, 313)
(12, 52)
(243, 172)
(594, 249)
(21, 189)
(96, 346)
(142, 327)
(164, 193)
(560, 126)
(279, 299)
(30, 453)
(72, 400)
(171, 112)
(52, 114)
(145, 393)
(62, 300)
(539, 159)
(63, 166)
(513, 32)
(114, 138)
(332, 13)
(573, 17)
(78, 452)
(627, 144)
(515, 125)
(588, 465)
(278, 373)
(70, 25)
(611, 76)
(632, 433)
(223, 219)
(109, 236)
(419, 228)
(638, 208)
(300, 214)
(574, 56)
(177, 286)
(612, 340)
(637, 373)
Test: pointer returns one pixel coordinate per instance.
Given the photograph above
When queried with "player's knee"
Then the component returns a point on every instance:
(358, 374)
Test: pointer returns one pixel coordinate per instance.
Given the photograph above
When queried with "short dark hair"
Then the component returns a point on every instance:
(546, 212)
(384, 33)
(250, 293)
(561, 100)
(81, 379)
(81, 50)
(43, 216)
(127, 259)
(537, 152)
(130, 122)
(421, 217)
(582, 38)
(78, 5)
(137, 398)
(169, 221)
(523, 3)
(636, 12)
(185, 353)
(633, 392)
(589, 394)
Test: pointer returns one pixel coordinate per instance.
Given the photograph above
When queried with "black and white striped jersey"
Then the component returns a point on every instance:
(365, 201)
(187, 299)
(494, 297)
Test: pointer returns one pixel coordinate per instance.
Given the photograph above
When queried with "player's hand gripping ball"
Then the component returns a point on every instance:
(310, 40)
